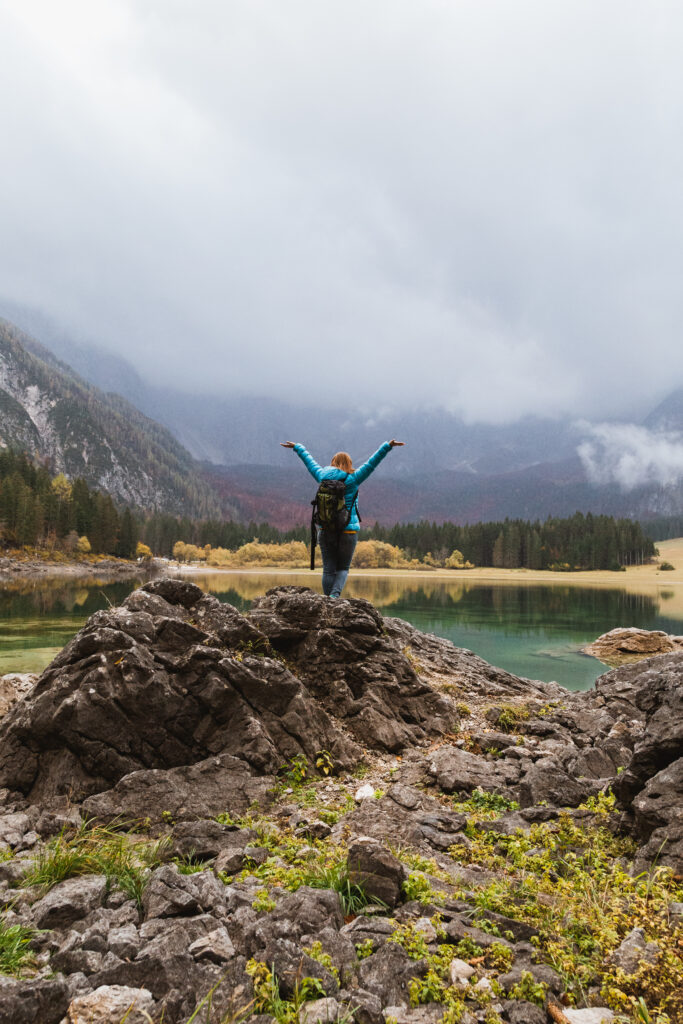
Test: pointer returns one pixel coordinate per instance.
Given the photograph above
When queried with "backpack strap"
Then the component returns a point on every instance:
(313, 535)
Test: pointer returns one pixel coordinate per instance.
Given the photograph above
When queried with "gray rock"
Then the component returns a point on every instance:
(664, 848)
(457, 771)
(12, 871)
(519, 1011)
(460, 972)
(215, 946)
(337, 946)
(388, 973)
(204, 840)
(633, 950)
(110, 1004)
(432, 1013)
(547, 782)
(290, 964)
(540, 972)
(124, 942)
(660, 802)
(13, 828)
(590, 1015)
(405, 796)
(357, 673)
(13, 687)
(305, 912)
(198, 790)
(376, 870)
(175, 592)
(70, 901)
(170, 894)
(320, 1011)
(369, 927)
(230, 861)
(33, 1002)
(162, 939)
(365, 1007)
(136, 692)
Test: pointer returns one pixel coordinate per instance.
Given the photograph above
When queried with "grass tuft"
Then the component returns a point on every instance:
(16, 958)
(123, 858)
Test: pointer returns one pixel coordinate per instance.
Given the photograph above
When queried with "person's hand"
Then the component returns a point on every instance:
(287, 444)
(396, 444)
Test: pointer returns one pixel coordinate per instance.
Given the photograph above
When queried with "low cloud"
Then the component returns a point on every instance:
(468, 205)
(631, 456)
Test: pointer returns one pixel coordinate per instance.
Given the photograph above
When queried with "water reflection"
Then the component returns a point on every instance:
(38, 617)
(534, 630)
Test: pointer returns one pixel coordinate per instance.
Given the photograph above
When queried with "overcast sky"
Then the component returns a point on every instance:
(476, 204)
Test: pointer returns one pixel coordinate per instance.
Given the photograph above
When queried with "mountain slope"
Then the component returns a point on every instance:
(50, 412)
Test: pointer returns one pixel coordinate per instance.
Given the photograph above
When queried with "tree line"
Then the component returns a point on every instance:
(39, 509)
(578, 542)
(663, 527)
(581, 541)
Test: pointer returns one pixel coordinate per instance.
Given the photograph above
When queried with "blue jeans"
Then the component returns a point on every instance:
(337, 551)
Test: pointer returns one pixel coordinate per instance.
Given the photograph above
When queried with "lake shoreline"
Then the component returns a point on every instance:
(13, 569)
(636, 575)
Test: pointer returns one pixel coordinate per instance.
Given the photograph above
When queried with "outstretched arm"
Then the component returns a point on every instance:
(309, 462)
(364, 471)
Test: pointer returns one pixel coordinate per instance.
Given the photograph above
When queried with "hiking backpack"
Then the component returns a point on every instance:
(330, 511)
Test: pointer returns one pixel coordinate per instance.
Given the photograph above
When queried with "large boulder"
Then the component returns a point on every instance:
(137, 689)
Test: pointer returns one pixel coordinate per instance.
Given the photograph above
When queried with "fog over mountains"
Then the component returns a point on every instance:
(449, 468)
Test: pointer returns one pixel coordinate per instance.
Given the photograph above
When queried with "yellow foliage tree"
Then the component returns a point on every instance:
(220, 556)
(143, 552)
(456, 561)
(376, 554)
(292, 553)
(61, 487)
(83, 546)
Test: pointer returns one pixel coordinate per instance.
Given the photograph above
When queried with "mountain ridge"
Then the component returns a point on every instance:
(49, 411)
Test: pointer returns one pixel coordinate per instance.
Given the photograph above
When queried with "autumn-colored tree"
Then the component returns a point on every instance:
(61, 487)
(456, 561)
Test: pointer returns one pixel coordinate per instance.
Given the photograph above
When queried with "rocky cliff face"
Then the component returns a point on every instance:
(48, 411)
(231, 848)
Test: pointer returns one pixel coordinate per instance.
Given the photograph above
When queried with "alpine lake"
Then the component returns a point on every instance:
(532, 630)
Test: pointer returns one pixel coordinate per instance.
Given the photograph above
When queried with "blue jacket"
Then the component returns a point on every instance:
(352, 480)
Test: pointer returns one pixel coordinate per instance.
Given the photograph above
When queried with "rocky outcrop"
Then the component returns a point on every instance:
(179, 715)
(167, 681)
(627, 644)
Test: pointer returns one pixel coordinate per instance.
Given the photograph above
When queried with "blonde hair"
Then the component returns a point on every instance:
(342, 460)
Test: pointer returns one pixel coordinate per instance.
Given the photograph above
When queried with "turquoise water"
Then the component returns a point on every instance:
(532, 630)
